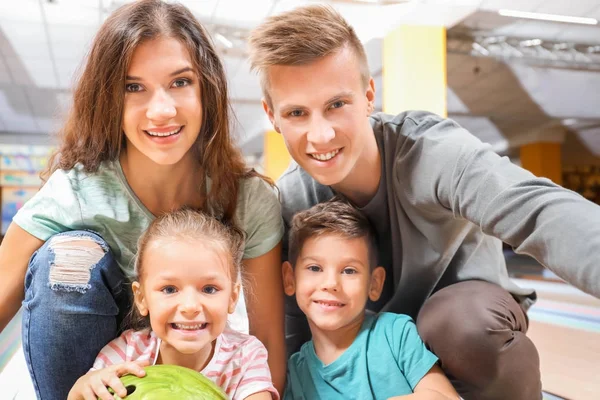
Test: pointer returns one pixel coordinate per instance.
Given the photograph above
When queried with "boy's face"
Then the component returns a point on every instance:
(332, 281)
(322, 110)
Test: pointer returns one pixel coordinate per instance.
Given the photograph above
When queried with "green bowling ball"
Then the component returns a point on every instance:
(164, 382)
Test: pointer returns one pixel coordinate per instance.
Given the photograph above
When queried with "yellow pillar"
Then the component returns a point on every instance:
(275, 156)
(414, 70)
(543, 159)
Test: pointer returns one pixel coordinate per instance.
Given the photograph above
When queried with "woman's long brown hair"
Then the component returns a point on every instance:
(93, 133)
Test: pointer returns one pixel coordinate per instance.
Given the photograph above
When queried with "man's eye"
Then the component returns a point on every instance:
(181, 83)
(210, 290)
(169, 290)
(296, 113)
(338, 104)
(133, 87)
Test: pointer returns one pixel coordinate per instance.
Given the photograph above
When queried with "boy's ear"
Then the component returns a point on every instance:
(235, 295)
(376, 287)
(139, 299)
(270, 114)
(289, 282)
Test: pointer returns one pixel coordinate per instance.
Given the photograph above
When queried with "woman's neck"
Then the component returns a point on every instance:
(168, 355)
(330, 345)
(163, 188)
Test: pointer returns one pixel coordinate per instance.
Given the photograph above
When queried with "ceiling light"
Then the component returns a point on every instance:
(224, 41)
(531, 42)
(548, 17)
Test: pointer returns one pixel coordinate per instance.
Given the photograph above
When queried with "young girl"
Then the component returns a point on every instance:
(185, 286)
(148, 133)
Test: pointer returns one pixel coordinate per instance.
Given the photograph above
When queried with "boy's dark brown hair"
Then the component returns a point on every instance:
(334, 217)
(301, 36)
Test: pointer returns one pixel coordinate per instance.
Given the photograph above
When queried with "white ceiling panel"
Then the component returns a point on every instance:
(15, 111)
(580, 34)
(71, 41)
(49, 125)
(595, 13)
(18, 72)
(521, 5)
(25, 11)
(245, 84)
(41, 71)
(591, 138)
(2, 125)
(43, 101)
(67, 72)
(5, 77)
(579, 8)
(535, 29)
(204, 9)
(74, 13)
(246, 13)
(454, 103)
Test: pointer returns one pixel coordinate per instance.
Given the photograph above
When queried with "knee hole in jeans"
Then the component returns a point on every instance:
(74, 259)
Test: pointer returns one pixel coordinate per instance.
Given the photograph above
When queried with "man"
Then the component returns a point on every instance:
(441, 202)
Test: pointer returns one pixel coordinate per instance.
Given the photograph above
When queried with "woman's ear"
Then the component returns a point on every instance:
(139, 299)
(376, 286)
(289, 281)
(235, 295)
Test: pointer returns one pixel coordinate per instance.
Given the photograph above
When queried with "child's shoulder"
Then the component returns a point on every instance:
(390, 321)
(234, 341)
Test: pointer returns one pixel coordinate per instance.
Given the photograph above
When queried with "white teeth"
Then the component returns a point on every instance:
(330, 304)
(190, 327)
(325, 156)
(163, 134)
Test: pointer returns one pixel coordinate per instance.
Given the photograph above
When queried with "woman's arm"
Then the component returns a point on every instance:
(433, 386)
(264, 301)
(15, 251)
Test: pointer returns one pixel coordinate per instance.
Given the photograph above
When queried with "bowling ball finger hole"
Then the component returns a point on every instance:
(130, 389)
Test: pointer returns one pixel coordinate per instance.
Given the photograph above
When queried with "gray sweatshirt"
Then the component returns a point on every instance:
(444, 204)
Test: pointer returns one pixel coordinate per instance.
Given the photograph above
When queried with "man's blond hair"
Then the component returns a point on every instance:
(300, 37)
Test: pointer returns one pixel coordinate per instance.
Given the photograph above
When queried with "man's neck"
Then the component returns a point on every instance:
(330, 345)
(362, 182)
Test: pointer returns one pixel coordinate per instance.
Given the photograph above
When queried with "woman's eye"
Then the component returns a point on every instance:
(210, 290)
(181, 83)
(133, 87)
(314, 268)
(169, 290)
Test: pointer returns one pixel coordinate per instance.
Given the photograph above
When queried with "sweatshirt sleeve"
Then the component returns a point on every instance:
(453, 169)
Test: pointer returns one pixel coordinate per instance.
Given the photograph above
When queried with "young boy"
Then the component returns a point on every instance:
(333, 270)
(440, 200)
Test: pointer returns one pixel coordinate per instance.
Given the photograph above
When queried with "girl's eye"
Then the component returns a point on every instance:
(338, 104)
(133, 87)
(349, 271)
(181, 83)
(169, 290)
(314, 268)
(296, 113)
(210, 290)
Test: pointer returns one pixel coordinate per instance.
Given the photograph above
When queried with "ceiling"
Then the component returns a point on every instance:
(502, 98)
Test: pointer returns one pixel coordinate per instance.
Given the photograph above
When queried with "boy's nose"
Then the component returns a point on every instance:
(320, 131)
(330, 283)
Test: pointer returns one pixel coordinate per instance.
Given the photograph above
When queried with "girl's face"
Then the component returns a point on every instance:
(187, 290)
(162, 114)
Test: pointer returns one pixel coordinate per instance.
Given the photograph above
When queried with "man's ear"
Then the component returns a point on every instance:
(376, 286)
(235, 295)
(370, 94)
(270, 114)
(289, 281)
(139, 299)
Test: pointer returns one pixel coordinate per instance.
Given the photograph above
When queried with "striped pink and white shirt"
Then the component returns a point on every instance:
(239, 363)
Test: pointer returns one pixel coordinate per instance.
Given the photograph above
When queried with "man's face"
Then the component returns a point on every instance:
(322, 109)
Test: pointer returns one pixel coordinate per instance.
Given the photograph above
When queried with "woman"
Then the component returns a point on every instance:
(148, 133)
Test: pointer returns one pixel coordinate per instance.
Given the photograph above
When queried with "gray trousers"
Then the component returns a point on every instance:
(477, 330)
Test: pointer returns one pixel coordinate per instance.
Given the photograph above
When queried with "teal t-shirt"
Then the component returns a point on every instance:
(104, 202)
(387, 358)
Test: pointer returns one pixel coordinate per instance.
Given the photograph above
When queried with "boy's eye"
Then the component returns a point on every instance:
(338, 104)
(210, 290)
(349, 271)
(181, 83)
(133, 87)
(296, 113)
(169, 290)
(314, 268)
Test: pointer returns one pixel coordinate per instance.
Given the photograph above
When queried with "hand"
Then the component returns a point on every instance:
(94, 384)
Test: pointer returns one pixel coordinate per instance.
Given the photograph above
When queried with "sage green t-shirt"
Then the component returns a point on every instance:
(103, 202)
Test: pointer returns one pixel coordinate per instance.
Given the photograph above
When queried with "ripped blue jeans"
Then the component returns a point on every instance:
(75, 299)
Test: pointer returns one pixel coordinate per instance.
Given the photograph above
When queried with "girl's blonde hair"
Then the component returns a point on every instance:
(191, 226)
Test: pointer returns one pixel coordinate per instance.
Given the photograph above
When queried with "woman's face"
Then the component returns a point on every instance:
(162, 115)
